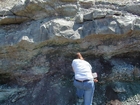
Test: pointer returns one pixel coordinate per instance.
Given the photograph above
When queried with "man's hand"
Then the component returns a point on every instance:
(95, 80)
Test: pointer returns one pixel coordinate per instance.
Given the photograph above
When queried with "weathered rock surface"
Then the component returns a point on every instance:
(72, 24)
(38, 40)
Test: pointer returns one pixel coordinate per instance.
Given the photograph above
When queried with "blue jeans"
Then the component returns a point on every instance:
(85, 90)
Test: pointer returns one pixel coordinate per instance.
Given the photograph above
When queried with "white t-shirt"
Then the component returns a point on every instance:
(82, 69)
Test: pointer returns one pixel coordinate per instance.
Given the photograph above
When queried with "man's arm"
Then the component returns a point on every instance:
(80, 56)
(72, 70)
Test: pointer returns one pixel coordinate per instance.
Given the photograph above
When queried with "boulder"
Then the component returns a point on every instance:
(79, 18)
(86, 3)
(133, 8)
(67, 10)
(59, 27)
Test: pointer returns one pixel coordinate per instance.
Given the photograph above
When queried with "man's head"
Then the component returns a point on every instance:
(79, 56)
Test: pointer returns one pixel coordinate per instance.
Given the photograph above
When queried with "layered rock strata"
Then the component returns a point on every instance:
(38, 40)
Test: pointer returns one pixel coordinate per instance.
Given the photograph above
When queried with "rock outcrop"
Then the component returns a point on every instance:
(38, 40)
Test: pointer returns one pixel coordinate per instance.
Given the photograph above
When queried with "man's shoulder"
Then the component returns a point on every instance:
(76, 59)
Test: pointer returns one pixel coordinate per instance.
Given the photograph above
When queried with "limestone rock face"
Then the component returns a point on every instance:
(34, 10)
(39, 39)
(100, 19)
